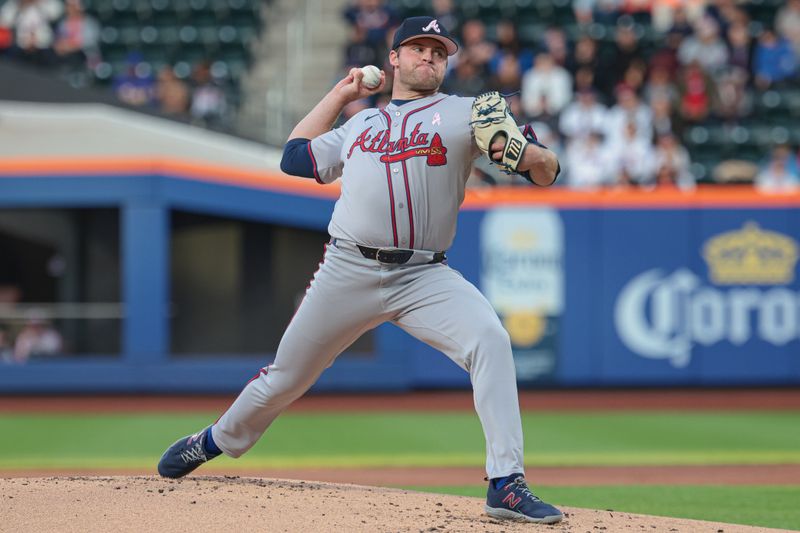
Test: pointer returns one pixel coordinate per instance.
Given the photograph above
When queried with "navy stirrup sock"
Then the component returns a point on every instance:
(211, 448)
(500, 482)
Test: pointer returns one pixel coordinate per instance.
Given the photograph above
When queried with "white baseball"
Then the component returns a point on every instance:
(372, 76)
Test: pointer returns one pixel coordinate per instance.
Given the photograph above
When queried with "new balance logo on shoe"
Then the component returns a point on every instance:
(512, 501)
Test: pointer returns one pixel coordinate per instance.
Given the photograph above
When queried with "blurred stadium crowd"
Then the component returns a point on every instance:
(619, 88)
(181, 58)
(649, 93)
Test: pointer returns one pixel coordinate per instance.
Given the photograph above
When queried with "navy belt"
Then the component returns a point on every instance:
(391, 256)
(395, 257)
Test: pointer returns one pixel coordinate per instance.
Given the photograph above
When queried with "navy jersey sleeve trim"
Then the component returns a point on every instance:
(314, 163)
(298, 160)
(529, 134)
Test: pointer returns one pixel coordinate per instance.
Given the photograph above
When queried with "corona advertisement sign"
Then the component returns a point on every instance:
(746, 294)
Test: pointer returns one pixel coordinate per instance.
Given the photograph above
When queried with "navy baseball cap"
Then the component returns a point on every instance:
(416, 27)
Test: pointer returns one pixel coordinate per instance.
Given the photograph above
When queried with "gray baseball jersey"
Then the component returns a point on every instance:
(403, 171)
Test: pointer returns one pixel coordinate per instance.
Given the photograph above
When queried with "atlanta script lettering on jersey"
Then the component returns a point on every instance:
(416, 144)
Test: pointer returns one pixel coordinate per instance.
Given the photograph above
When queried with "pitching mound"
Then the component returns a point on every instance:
(119, 504)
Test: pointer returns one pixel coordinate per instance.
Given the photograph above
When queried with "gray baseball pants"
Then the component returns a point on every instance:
(350, 295)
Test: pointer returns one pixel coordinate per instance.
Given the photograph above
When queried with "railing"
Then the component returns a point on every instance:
(62, 311)
(281, 98)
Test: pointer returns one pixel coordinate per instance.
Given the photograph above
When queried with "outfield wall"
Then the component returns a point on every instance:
(604, 289)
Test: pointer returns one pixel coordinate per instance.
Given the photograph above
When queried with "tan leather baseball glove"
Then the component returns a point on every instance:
(492, 117)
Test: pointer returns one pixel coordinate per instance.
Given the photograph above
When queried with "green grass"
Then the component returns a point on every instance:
(434, 439)
(412, 439)
(766, 506)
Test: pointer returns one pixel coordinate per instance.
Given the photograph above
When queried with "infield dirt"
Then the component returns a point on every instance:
(199, 504)
(132, 502)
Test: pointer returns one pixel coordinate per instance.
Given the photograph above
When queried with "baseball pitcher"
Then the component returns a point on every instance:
(403, 169)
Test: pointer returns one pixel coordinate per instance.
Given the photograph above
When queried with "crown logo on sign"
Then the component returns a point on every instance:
(751, 256)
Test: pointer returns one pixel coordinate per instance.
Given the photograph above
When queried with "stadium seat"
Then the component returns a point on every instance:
(160, 7)
(188, 35)
(791, 97)
(531, 34)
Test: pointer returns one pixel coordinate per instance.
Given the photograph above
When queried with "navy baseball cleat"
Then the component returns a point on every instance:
(515, 501)
(185, 455)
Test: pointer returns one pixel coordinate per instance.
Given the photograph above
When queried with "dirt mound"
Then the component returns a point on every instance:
(140, 503)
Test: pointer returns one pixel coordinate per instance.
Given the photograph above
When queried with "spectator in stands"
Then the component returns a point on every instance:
(740, 47)
(135, 86)
(705, 47)
(507, 77)
(209, 105)
(583, 11)
(582, 116)
(697, 93)
(10, 292)
(6, 348)
(375, 18)
(640, 8)
(6, 39)
(172, 94)
(631, 157)
(726, 13)
(585, 81)
(465, 80)
(787, 23)
(626, 51)
(587, 164)
(665, 178)
(676, 15)
(31, 22)
(77, 39)
(733, 102)
(775, 61)
(777, 176)
(672, 163)
(685, 18)
(358, 51)
(665, 119)
(584, 55)
(666, 57)
(37, 338)
(628, 109)
(508, 45)
(447, 13)
(659, 86)
(546, 88)
(600, 11)
(555, 43)
(475, 46)
(634, 77)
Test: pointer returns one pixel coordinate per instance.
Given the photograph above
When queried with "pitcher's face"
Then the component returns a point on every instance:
(420, 65)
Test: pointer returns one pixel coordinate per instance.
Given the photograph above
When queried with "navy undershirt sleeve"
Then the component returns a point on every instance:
(296, 160)
(529, 134)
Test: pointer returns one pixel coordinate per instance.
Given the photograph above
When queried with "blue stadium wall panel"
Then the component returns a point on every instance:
(592, 295)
